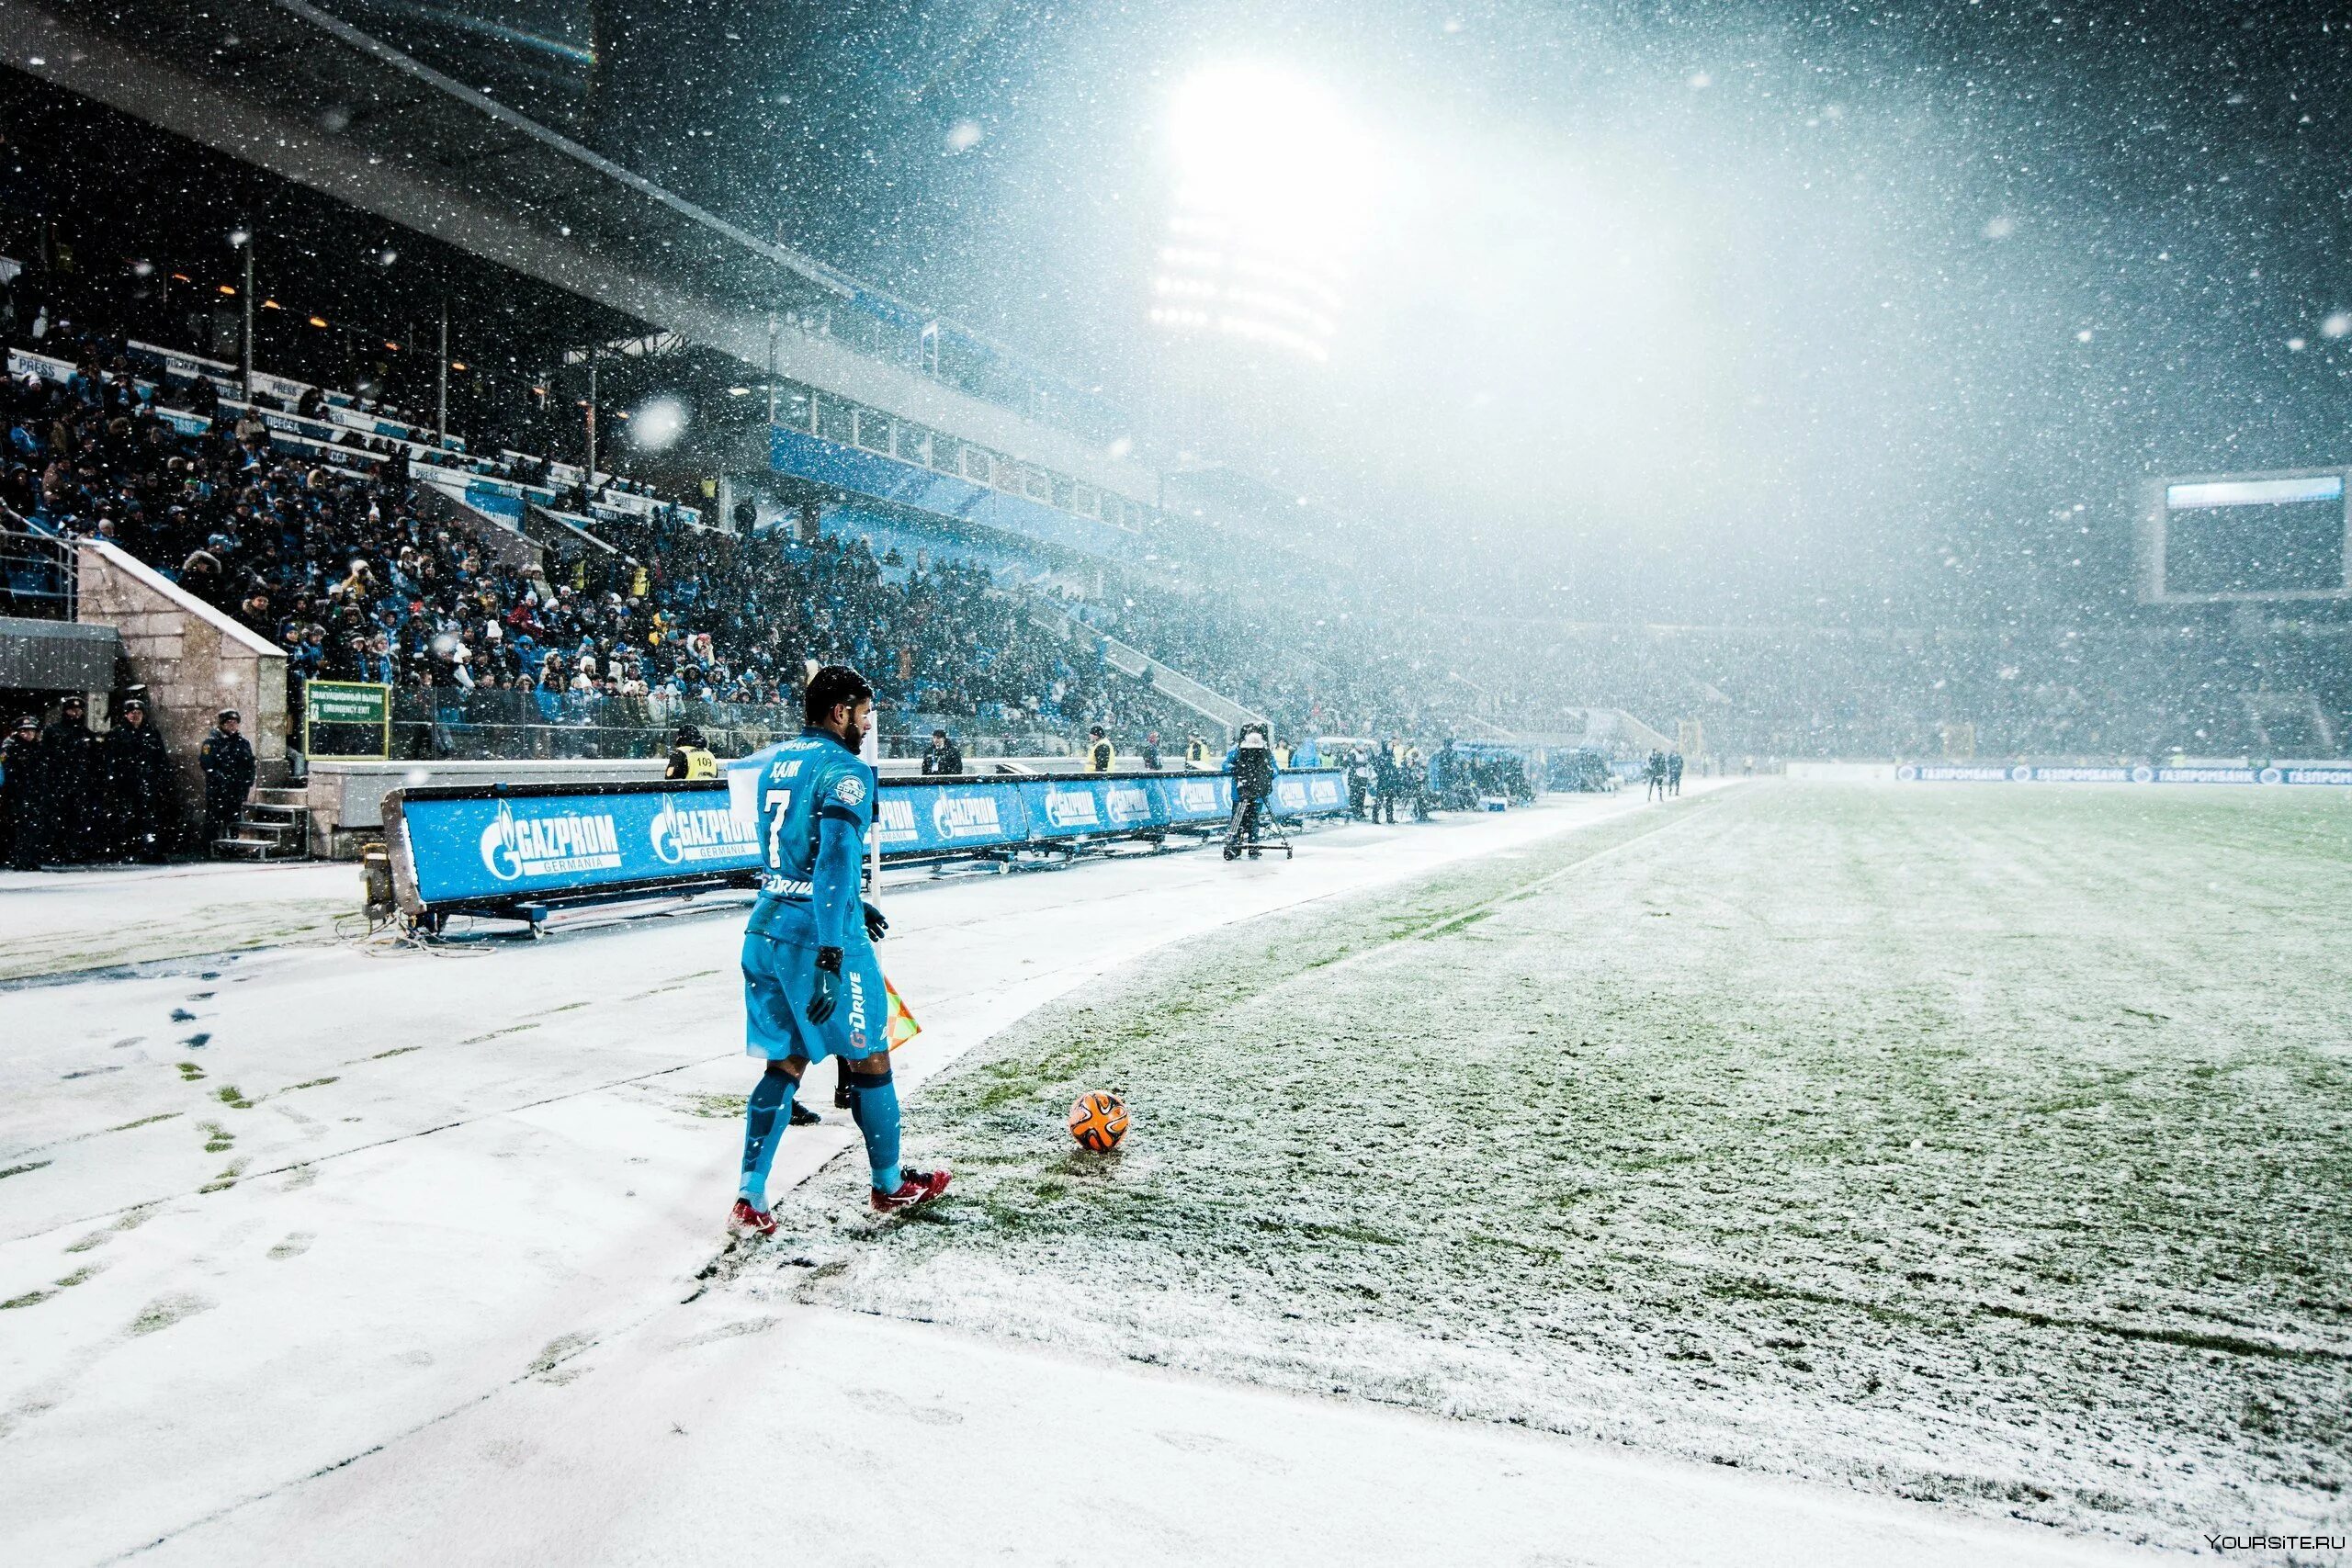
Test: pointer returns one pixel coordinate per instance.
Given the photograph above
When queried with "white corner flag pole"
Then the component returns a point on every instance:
(869, 752)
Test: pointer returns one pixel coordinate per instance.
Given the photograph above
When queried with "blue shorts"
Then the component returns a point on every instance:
(779, 975)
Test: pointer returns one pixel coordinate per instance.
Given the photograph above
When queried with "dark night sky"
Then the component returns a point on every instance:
(1700, 311)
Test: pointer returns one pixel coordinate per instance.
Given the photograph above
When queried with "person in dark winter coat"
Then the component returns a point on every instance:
(24, 810)
(1387, 781)
(73, 785)
(139, 782)
(943, 757)
(227, 759)
(1252, 764)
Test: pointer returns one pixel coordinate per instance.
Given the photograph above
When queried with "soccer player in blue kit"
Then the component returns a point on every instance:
(811, 987)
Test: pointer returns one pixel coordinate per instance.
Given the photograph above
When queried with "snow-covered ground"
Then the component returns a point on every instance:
(1981, 1147)
(375, 1254)
(54, 921)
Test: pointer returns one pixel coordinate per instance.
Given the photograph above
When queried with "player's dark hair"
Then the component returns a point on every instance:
(830, 688)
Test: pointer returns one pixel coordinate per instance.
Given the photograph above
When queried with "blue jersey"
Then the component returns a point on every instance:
(797, 784)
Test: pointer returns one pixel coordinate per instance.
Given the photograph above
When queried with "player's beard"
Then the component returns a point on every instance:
(853, 736)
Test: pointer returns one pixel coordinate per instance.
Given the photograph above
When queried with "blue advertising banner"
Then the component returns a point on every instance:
(470, 849)
(2338, 773)
(929, 819)
(1132, 806)
(1066, 808)
(1196, 797)
(1315, 793)
(476, 848)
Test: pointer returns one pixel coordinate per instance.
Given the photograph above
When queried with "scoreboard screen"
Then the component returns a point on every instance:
(2252, 538)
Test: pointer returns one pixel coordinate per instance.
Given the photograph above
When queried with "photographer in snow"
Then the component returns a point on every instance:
(1251, 765)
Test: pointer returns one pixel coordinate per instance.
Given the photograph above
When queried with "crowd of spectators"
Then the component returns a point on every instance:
(352, 570)
(351, 573)
(1335, 664)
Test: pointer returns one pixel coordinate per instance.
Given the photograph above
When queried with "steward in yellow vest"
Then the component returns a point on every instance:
(690, 759)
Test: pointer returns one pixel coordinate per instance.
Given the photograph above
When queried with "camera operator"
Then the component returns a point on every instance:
(1252, 764)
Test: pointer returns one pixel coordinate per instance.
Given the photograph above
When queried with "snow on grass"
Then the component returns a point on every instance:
(1975, 1145)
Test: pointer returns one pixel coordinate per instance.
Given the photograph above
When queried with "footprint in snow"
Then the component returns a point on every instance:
(197, 1039)
(181, 1015)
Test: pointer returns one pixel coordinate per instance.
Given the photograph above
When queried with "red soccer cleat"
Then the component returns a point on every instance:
(915, 1187)
(746, 1218)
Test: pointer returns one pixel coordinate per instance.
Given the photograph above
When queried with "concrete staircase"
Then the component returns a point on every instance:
(275, 826)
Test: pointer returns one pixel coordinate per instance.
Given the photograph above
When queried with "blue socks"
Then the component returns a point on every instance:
(769, 1107)
(874, 1101)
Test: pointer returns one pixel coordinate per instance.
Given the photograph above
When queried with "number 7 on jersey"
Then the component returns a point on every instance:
(776, 803)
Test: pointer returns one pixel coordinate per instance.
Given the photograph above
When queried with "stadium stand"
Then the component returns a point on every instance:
(318, 533)
(502, 591)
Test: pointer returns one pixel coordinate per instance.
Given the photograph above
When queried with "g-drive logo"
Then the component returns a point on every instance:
(514, 846)
(965, 817)
(682, 836)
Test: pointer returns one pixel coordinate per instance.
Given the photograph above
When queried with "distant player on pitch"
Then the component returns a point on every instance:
(811, 987)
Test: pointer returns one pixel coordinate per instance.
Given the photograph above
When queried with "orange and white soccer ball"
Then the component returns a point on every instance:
(1098, 1120)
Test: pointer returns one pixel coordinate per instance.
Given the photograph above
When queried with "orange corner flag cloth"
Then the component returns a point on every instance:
(903, 1026)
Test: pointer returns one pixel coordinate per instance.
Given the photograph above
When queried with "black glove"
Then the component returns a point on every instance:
(877, 924)
(826, 994)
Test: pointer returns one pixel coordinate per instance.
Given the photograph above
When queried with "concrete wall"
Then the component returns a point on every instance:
(192, 659)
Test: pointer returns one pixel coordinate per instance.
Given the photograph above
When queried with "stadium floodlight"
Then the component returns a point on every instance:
(658, 423)
(1275, 185)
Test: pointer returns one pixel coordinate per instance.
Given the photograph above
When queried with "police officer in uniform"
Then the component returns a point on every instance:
(72, 783)
(227, 759)
(690, 759)
(23, 811)
(139, 774)
(1101, 757)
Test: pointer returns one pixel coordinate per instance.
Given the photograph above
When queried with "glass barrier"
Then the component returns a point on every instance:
(445, 722)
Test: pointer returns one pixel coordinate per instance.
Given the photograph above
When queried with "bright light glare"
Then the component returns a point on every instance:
(1275, 183)
(1274, 152)
(659, 424)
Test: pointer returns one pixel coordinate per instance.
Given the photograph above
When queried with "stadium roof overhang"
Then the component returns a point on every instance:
(292, 90)
(282, 84)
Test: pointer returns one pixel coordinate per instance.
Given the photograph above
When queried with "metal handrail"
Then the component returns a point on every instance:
(38, 578)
